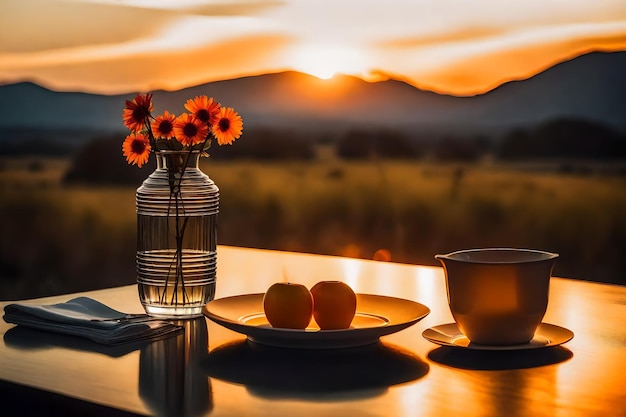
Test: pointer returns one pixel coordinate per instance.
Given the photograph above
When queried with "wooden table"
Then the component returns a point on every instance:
(210, 370)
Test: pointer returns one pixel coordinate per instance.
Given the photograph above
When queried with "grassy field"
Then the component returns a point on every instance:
(56, 238)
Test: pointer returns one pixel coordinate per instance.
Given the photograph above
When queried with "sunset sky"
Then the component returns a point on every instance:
(458, 47)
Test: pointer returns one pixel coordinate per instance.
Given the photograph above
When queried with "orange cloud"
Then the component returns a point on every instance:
(42, 25)
(430, 39)
(150, 71)
(480, 73)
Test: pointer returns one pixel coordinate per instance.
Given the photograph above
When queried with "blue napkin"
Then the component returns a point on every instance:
(86, 317)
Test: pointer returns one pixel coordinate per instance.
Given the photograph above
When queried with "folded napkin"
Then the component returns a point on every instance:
(89, 318)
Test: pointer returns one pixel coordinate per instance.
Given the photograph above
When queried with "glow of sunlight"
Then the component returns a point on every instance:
(324, 61)
(426, 282)
(579, 311)
(351, 271)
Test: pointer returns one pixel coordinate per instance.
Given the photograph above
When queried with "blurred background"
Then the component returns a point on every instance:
(369, 132)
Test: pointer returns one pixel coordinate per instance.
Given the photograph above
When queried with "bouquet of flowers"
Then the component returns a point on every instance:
(206, 119)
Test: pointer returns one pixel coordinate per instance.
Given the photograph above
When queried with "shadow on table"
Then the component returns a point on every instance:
(32, 339)
(499, 360)
(319, 374)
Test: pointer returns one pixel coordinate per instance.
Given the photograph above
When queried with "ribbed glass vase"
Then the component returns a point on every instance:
(177, 209)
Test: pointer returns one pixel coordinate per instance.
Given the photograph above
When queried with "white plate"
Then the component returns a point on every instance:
(376, 316)
(546, 335)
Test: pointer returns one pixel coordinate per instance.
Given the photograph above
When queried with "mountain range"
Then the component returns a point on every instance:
(591, 87)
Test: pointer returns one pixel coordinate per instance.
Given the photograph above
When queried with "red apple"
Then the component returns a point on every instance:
(288, 305)
(334, 304)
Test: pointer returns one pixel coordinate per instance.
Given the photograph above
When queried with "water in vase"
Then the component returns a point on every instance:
(176, 282)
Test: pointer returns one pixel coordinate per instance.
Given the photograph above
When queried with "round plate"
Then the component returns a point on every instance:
(546, 335)
(376, 316)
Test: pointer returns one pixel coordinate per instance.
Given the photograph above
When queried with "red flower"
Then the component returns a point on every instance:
(136, 148)
(228, 126)
(204, 109)
(137, 112)
(190, 130)
(163, 125)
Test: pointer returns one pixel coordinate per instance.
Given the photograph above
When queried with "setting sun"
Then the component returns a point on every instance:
(323, 73)
(324, 61)
(321, 70)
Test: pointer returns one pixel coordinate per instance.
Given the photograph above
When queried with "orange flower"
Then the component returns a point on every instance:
(190, 130)
(163, 125)
(228, 126)
(136, 148)
(137, 112)
(204, 109)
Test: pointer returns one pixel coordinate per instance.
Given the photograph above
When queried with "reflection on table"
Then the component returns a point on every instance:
(170, 380)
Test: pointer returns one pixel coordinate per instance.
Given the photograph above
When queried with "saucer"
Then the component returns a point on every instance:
(547, 335)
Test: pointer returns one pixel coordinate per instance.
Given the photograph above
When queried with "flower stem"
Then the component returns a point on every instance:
(176, 171)
(175, 182)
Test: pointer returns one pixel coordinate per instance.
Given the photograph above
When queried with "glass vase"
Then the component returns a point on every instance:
(177, 209)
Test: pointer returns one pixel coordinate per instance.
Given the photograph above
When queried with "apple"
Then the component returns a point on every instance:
(334, 304)
(288, 305)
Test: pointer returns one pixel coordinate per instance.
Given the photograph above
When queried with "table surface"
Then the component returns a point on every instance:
(210, 370)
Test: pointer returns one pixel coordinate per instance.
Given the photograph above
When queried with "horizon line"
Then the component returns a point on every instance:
(372, 78)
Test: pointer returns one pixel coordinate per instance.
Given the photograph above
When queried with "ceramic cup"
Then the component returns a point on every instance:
(498, 296)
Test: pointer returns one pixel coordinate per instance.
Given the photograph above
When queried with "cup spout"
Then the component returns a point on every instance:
(442, 258)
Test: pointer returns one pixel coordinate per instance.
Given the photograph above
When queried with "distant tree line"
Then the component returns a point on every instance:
(564, 138)
(99, 159)
(267, 144)
(384, 143)
(56, 142)
(555, 139)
